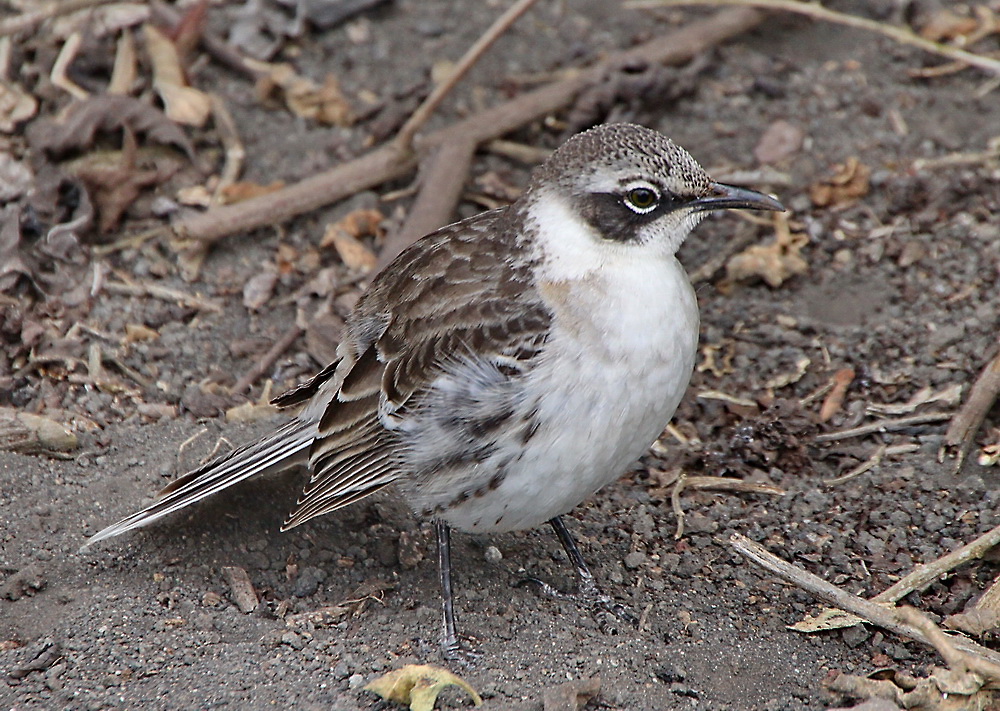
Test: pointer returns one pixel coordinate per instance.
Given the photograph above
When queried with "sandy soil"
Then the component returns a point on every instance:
(901, 286)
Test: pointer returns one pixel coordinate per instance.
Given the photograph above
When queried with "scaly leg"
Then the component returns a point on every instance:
(588, 594)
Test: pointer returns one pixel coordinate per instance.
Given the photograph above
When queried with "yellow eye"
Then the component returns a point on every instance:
(641, 199)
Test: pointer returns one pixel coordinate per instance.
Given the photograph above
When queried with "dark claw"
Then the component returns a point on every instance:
(461, 651)
(589, 596)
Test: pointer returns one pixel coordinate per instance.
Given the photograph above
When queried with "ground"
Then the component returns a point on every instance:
(900, 286)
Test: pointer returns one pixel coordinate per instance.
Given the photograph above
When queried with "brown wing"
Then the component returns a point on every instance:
(456, 293)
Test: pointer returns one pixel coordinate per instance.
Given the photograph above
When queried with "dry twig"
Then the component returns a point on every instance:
(405, 136)
(818, 12)
(268, 359)
(441, 180)
(29, 20)
(389, 161)
(162, 292)
(713, 483)
(881, 615)
(962, 431)
(890, 425)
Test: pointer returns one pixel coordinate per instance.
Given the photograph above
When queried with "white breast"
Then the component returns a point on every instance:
(618, 361)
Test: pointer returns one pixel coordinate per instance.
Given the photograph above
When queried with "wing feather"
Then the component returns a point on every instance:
(452, 296)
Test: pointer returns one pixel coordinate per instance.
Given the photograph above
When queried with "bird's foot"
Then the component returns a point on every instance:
(460, 650)
(592, 597)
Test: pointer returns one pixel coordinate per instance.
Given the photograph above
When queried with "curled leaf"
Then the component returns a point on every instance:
(850, 181)
(77, 126)
(182, 103)
(418, 686)
(774, 262)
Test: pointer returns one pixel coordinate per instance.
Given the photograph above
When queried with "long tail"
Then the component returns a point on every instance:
(283, 448)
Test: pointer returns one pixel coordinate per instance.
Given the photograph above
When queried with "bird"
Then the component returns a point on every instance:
(505, 367)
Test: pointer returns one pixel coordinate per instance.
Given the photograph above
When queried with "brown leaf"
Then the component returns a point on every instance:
(345, 236)
(258, 289)
(325, 104)
(850, 181)
(946, 25)
(842, 380)
(76, 127)
(182, 103)
(974, 622)
(114, 180)
(16, 105)
(774, 262)
(187, 34)
(323, 331)
(781, 140)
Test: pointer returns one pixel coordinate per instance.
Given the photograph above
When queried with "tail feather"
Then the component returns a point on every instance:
(285, 447)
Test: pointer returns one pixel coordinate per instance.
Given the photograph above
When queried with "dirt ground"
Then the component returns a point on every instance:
(901, 285)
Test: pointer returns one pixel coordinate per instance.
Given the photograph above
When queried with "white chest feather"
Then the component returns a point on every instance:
(614, 369)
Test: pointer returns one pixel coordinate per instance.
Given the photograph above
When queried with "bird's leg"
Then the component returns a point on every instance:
(588, 592)
(450, 643)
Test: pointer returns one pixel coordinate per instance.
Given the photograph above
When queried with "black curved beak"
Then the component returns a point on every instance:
(729, 197)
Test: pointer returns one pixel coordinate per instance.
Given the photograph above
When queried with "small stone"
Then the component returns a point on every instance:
(635, 560)
(308, 580)
(355, 681)
(493, 555)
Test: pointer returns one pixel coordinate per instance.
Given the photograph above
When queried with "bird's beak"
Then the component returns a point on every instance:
(723, 197)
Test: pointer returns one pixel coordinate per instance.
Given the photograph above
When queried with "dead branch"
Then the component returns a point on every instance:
(389, 161)
(162, 292)
(818, 12)
(890, 425)
(884, 616)
(29, 20)
(961, 434)
(441, 179)
(958, 660)
(216, 47)
(268, 359)
(468, 60)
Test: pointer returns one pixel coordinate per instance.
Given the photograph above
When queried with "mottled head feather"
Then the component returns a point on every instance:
(611, 155)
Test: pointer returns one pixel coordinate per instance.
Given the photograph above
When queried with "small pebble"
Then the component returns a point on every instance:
(493, 555)
(355, 681)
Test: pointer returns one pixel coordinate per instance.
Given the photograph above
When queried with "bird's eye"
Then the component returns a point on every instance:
(641, 200)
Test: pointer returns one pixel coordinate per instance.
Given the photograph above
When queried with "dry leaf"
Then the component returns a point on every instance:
(182, 103)
(828, 619)
(33, 434)
(945, 25)
(848, 183)
(842, 380)
(353, 252)
(345, 236)
(16, 178)
(16, 105)
(781, 140)
(304, 97)
(418, 686)
(259, 288)
(250, 412)
(974, 622)
(115, 179)
(194, 196)
(138, 332)
(76, 127)
(775, 262)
